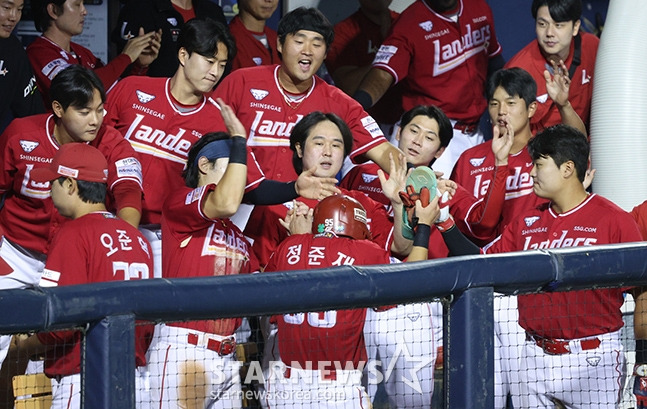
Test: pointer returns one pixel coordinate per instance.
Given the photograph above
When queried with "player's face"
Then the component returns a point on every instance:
(302, 54)
(419, 140)
(200, 74)
(554, 37)
(547, 177)
(215, 172)
(323, 148)
(505, 108)
(259, 9)
(73, 17)
(10, 13)
(78, 124)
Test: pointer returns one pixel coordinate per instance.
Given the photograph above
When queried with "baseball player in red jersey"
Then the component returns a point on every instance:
(270, 100)
(192, 364)
(323, 353)
(559, 38)
(442, 51)
(573, 355)
(255, 41)
(59, 21)
(95, 246)
(639, 214)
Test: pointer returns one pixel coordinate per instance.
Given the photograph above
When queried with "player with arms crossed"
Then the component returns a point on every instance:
(95, 246)
(323, 353)
(192, 364)
(566, 329)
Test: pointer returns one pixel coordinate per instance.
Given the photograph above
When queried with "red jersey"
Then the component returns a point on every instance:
(196, 246)
(250, 50)
(267, 232)
(334, 336)
(572, 314)
(639, 214)
(28, 216)
(94, 248)
(147, 115)
(263, 108)
(473, 171)
(48, 59)
(580, 96)
(442, 62)
(357, 40)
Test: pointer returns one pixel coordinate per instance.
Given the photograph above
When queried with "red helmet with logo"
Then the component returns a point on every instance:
(341, 215)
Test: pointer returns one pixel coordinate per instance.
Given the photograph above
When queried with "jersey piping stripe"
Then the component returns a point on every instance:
(149, 150)
(520, 193)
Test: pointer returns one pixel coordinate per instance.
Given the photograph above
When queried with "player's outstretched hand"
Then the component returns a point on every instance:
(588, 177)
(449, 186)
(233, 124)
(145, 44)
(313, 187)
(397, 179)
(427, 214)
(502, 142)
(298, 220)
(558, 84)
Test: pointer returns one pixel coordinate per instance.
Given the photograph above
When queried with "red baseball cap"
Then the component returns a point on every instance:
(75, 160)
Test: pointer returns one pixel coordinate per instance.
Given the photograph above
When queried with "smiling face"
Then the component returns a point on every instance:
(323, 149)
(420, 140)
(554, 37)
(78, 124)
(302, 53)
(199, 73)
(10, 13)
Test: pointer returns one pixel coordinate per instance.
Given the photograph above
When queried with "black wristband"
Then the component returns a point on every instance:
(641, 351)
(364, 99)
(421, 239)
(238, 150)
(270, 192)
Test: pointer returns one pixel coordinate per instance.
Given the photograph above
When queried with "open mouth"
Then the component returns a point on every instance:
(305, 65)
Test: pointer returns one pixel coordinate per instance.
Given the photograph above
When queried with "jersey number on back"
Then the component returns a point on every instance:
(326, 319)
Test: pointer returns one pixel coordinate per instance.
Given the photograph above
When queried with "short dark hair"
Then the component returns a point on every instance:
(445, 128)
(202, 35)
(74, 86)
(302, 129)
(562, 143)
(42, 19)
(304, 18)
(560, 10)
(89, 192)
(515, 81)
(191, 172)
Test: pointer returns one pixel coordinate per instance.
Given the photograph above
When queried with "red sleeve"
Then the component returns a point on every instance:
(127, 194)
(110, 73)
(639, 214)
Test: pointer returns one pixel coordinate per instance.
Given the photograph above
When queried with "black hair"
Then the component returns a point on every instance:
(515, 81)
(445, 128)
(562, 143)
(89, 192)
(302, 129)
(202, 35)
(191, 172)
(74, 86)
(42, 19)
(304, 18)
(560, 10)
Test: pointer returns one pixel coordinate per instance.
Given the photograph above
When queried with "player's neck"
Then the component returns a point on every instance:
(292, 87)
(83, 208)
(184, 4)
(183, 93)
(569, 197)
(251, 23)
(520, 140)
(59, 38)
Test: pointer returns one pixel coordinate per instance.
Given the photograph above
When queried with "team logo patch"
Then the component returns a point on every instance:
(360, 215)
(257, 60)
(385, 53)
(542, 98)
(65, 171)
(172, 21)
(530, 220)
(368, 178)
(427, 25)
(476, 162)
(413, 316)
(593, 360)
(144, 97)
(28, 146)
(259, 94)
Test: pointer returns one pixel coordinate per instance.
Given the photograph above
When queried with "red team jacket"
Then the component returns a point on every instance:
(146, 114)
(94, 248)
(580, 95)
(443, 63)
(196, 246)
(335, 336)
(473, 171)
(572, 314)
(250, 51)
(267, 233)
(258, 100)
(28, 216)
(48, 59)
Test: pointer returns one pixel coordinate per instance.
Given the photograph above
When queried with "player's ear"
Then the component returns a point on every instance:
(57, 109)
(568, 169)
(182, 55)
(532, 108)
(204, 165)
(439, 152)
(576, 27)
(297, 146)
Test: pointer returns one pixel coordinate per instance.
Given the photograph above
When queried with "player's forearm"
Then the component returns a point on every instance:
(382, 153)
(348, 78)
(420, 250)
(373, 87)
(485, 216)
(571, 118)
(228, 194)
(400, 246)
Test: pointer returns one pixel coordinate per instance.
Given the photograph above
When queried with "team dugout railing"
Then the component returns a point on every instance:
(467, 283)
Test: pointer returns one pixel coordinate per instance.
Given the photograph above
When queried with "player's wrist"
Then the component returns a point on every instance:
(364, 99)
(446, 224)
(238, 150)
(421, 238)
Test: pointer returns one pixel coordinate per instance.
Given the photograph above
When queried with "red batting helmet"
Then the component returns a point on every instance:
(341, 215)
